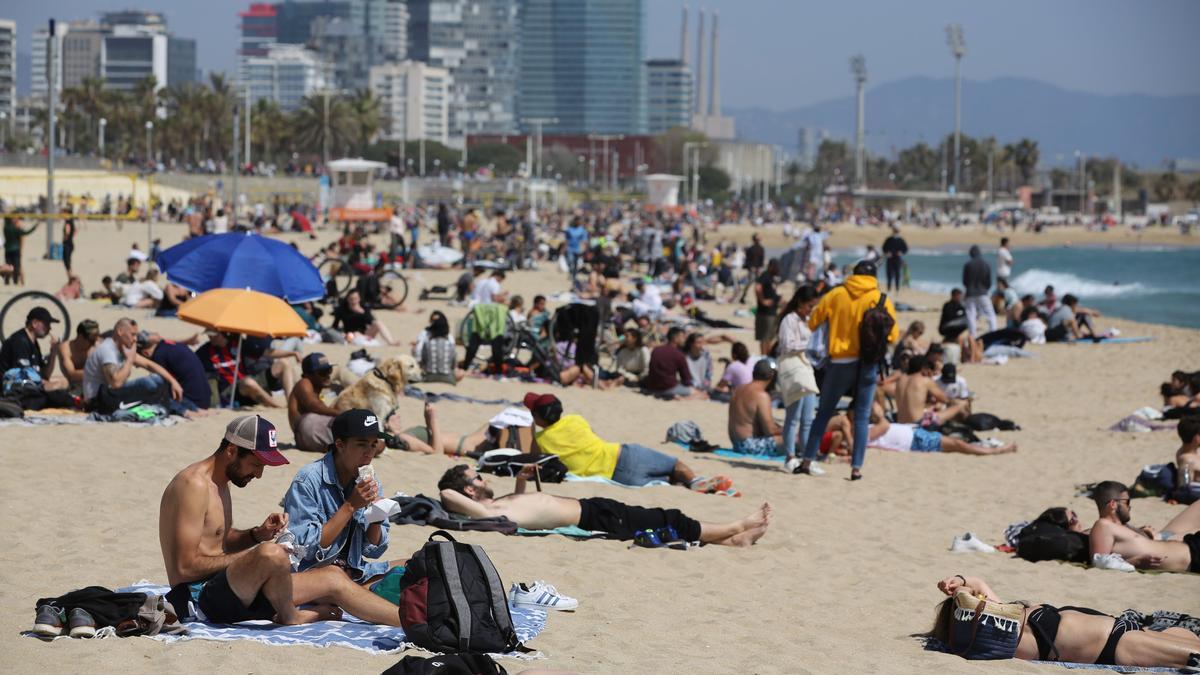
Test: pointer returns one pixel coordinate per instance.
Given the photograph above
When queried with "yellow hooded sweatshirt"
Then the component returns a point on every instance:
(843, 308)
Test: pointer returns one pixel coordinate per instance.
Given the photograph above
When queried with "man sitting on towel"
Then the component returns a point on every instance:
(465, 492)
(752, 429)
(224, 575)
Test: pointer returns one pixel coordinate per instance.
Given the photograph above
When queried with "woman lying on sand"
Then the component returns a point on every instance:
(1082, 635)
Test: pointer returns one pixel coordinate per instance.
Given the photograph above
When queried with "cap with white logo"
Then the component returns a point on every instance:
(256, 434)
(359, 423)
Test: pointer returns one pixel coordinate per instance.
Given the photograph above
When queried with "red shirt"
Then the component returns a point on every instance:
(668, 368)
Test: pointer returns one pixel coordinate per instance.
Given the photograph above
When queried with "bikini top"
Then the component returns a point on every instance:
(1043, 621)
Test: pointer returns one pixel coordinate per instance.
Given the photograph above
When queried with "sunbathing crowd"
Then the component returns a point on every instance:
(835, 337)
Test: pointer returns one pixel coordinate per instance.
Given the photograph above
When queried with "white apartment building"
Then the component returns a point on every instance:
(415, 99)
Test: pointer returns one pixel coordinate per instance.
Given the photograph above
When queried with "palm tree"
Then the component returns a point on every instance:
(366, 118)
(1165, 185)
(270, 129)
(1023, 155)
(310, 123)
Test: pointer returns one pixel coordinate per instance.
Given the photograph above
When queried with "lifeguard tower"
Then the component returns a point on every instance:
(352, 193)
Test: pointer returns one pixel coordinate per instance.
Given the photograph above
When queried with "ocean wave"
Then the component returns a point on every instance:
(1035, 281)
(934, 287)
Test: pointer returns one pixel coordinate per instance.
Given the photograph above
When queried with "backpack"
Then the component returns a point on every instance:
(452, 600)
(1046, 541)
(447, 664)
(873, 332)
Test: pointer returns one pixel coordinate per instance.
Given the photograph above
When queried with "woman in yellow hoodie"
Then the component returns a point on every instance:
(843, 308)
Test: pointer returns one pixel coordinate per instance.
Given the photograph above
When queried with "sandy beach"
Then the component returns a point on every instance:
(840, 583)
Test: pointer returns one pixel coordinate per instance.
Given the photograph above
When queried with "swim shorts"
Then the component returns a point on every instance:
(1193, 542)
(758, 445)
(221, 605)
(926, 441)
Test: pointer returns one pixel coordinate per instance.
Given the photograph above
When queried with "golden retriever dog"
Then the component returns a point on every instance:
(412, 369)
(379, 390)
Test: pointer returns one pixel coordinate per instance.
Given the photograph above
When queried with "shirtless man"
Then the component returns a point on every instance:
(232, 575)
(72, 355)
(920, 401)
(1115, 545)
(465, 492)
(1187, 458)
(752, 429)
(308, 416)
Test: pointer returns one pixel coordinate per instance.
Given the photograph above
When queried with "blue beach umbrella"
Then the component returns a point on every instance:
(242, 260)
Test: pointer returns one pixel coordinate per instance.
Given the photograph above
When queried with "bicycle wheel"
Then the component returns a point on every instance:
(395, 286)
(338, 278)
(20, 304)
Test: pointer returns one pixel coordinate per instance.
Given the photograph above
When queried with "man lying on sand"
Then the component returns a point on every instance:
(752, 428)
(586, 454)
(903, 438)
(1116, 546)
(232, 575)
(465, 492)
(920, 400)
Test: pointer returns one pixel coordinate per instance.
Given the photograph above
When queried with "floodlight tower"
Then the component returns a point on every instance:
(858, 66)
(958, 47)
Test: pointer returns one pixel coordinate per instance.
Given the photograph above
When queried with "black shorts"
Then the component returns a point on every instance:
(221, 605)
(764, 326)
(1193, 543)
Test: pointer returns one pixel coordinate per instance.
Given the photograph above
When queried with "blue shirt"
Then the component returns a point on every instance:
(311, 501)
(576, 235)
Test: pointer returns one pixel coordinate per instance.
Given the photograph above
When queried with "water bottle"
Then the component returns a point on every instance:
(295, 551)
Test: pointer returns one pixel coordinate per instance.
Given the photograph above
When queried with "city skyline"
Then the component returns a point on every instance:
(1095, 47)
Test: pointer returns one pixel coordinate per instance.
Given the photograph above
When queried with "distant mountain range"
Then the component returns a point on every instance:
(1141, 129)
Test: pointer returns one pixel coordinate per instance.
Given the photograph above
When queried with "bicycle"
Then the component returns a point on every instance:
(340, 277)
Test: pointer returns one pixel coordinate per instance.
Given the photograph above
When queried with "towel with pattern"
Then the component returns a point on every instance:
(350, 632)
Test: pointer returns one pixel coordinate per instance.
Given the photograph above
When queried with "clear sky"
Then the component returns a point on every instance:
(785, 53)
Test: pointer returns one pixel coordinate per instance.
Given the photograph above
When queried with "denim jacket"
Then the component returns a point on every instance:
(312, 499)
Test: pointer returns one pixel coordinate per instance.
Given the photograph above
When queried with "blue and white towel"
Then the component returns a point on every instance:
(350, 633)
(608, 481)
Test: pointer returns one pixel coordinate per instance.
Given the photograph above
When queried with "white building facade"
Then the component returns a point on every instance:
(415, 99)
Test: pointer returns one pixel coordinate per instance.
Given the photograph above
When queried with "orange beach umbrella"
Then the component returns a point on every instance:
(245, 312)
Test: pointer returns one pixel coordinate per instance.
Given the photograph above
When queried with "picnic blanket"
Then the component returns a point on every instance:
(76, 418)
(351, 632)
(1113, 340)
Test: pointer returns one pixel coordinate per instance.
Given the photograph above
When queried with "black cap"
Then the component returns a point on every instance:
(315, 363)
(40, 314)
(866, 268)
(359, 423)
(949, 373)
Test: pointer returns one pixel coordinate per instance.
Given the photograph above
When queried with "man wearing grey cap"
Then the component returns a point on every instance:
(225, 575)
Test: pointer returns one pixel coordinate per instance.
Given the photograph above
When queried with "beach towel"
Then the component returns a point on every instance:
(572, 478)
(350, 632)
(490, 320)
(733, 454)
(573, 531)
(1113, 340)
(937, 646)
(1137, 423)
(413, 392)
(76, 418)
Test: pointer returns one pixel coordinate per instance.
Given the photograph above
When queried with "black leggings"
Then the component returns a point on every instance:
(894, 266)
(622, 521)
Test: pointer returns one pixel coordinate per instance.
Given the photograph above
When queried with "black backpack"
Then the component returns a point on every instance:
(550, 468)
(873, 332)
(1041, 540)
(447, 664)
(452, 600)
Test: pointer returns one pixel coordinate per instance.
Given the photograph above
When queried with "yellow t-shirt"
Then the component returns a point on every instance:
(584, 453)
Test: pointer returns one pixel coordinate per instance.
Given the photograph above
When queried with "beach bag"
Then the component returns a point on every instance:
(505, 462)
(1155, 480)
(1041, 540)
(452, 600)
(873, 332)
(818, 347)
(685, 432)
(447, 664)
(22, 382)
(985, 630)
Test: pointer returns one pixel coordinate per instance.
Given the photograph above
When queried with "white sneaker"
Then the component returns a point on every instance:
(791, 464)
(969, 542)
(1112, 561)
(540, 595)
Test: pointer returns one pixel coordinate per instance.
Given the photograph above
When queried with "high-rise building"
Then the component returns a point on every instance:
(82, 46)
(416, 100)
(476, 42)
(286, 74)
(294, 18)
(130, 54)
(668, 95)
(259, 29)
(8, 77)
(582, 63)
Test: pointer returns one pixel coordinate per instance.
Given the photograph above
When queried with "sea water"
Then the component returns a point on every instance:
(1150, 284)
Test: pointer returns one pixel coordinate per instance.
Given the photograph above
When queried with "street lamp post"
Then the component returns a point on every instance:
(103, 126)
(537, 123)
(150, 140)
(236, 170)
(858, 66)
(605, 138)
(958, 47)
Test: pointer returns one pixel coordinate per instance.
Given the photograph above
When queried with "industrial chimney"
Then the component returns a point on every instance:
(714, 94)
(683, 58)
(702, 91)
